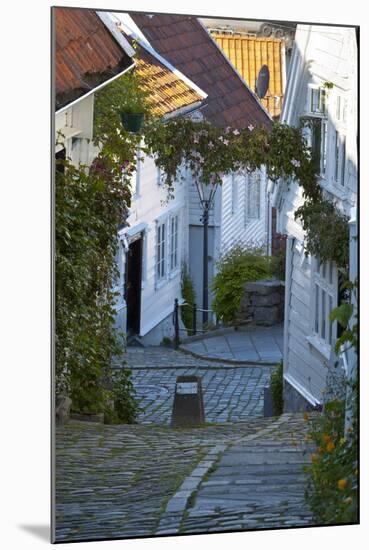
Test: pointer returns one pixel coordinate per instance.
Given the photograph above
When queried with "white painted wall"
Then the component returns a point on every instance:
(321, 54)
(149, 206)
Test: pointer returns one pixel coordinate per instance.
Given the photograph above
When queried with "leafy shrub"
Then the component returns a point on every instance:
(91, 202)
(332, 486)
(278, 264)
(276, 389)
(237, 267)
(188, 294)
(123, 395)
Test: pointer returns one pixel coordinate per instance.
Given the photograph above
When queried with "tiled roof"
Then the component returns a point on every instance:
(248, 54)
(188, 46)
(168, 92)
(86, 54)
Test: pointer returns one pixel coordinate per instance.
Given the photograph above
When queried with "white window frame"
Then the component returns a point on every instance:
(253, 183)
(339, 158)
(161, 257)
(317, 105)
(324, 283)
(170, 270)
(174, 250)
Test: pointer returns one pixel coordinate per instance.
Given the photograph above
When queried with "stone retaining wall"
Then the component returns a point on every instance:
(262, 303)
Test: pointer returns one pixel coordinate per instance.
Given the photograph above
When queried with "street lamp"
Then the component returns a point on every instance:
(206, 194)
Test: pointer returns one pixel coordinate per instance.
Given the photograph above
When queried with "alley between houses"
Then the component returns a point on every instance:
(238, 471)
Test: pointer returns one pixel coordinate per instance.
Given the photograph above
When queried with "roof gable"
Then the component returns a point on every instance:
(188, 46)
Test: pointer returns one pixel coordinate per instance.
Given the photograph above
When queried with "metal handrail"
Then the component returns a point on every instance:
(175, 318)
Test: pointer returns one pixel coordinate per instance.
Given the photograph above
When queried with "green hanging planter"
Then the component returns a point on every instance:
(132, 122)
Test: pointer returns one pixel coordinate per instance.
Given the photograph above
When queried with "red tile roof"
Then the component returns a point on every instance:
(86, 54)
(185, 43)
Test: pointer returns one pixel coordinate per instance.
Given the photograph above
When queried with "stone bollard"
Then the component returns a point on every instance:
(188, 404)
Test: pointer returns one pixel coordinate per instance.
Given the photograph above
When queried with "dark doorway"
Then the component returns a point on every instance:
(133, 277)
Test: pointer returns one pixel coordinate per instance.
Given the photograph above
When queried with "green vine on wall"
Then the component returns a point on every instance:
(91, 202)
(211, 153)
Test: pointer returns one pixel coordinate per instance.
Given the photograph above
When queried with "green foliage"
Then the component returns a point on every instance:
(327, 231)
(278, 264)
(123, 395)
(188, 294)
(276, 389)
(212, 152)
(125, 94)
(239, 266)
(346, 316)
(332, 486)
(90, 204)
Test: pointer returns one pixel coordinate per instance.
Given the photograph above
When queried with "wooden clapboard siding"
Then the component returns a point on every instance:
(234, 230)
(326, 54)
(147, 207)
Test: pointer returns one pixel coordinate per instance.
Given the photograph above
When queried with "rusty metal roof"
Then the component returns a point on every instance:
(86, 54)
(248, 54)
(187, 45)
(168, 92)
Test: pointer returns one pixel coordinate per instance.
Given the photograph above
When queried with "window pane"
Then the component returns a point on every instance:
(316, 324)
(337, 156)
(323, 160)
(343, 159)
(253, 196)
(330, 306)
(317, 143)
(323, 297)
(330, 271)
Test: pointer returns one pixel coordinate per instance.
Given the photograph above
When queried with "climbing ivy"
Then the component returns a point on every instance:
(90, 203)
(211, 153)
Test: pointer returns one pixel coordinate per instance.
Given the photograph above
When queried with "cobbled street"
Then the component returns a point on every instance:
(232, 393)
(238, 471)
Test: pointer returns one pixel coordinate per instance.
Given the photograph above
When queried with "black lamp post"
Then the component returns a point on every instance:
(207, 194)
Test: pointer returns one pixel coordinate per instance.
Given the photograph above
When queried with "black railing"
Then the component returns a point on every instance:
(195, 329)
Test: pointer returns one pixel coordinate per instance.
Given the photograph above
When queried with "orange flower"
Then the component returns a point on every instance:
(342, 484)
(330, 446)
(327, 438)
(306, 416)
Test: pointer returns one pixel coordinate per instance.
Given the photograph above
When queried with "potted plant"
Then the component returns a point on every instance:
(133, 106)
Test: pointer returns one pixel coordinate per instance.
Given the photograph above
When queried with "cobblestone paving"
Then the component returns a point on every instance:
(256, 483)
(231, 393)
(115, 481)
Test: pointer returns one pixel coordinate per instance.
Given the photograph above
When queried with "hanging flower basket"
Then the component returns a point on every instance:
(132, 122)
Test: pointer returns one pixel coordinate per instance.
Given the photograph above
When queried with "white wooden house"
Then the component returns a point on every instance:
(322, 85)
(241, 213)
(154, 240)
